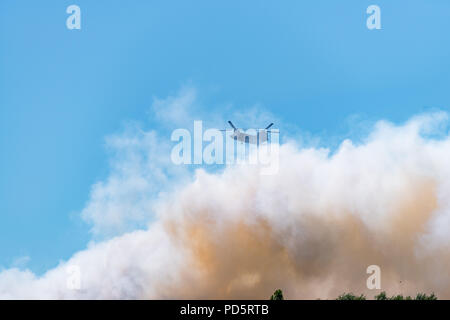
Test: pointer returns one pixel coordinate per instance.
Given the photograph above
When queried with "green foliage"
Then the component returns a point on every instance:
(351, 296)
(400, 297)
(424, 296)
(277, 295)
(383, 296)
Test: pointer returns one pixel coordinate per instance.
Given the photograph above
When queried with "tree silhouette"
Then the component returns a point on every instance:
(351, 296)
(277, 295)
(383, 296)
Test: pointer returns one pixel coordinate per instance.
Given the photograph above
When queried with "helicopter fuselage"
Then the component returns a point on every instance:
(258, 138)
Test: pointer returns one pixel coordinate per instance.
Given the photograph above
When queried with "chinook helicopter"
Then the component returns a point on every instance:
(241, 135)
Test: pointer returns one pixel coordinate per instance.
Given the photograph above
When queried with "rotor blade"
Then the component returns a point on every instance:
(231, 124)
(269, 126)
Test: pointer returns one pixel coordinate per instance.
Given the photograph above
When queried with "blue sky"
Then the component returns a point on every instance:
(310, 63)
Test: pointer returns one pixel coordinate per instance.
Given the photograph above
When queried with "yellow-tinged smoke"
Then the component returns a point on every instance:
(312, 256)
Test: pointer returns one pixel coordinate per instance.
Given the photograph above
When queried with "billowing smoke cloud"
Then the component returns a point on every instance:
(312, 229)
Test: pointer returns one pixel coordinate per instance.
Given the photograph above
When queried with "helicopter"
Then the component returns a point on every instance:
(241, 135)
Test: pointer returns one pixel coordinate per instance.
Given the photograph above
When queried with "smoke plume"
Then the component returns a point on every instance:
(312, 229)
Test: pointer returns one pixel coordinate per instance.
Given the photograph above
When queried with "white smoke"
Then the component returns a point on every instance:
(312, 229)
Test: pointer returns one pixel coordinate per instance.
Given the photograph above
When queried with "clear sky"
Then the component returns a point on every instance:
(314, 64)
